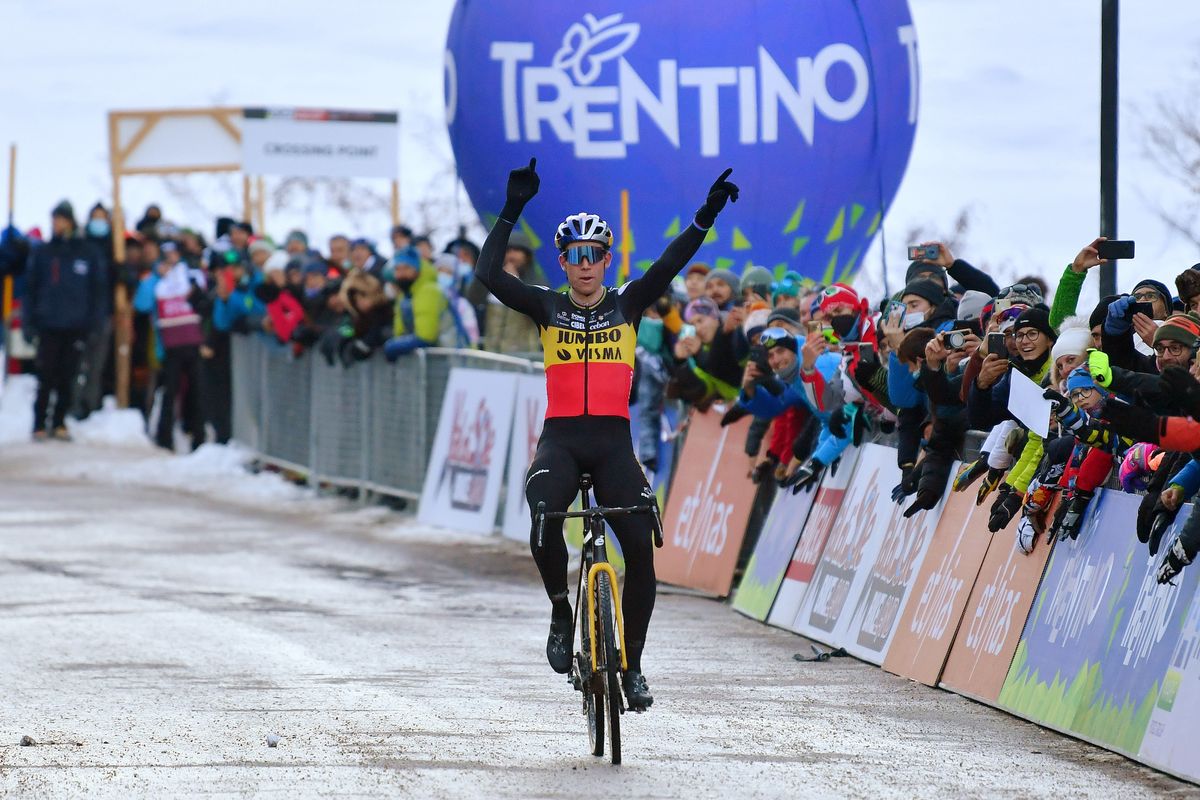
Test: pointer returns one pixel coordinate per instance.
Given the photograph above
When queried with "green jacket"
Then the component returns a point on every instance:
(419, 310)
(1023, 471)
(1066, 296)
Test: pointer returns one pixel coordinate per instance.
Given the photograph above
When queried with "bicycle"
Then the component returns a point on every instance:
(601, 657)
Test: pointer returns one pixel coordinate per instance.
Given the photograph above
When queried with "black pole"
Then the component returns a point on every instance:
(1109, 18)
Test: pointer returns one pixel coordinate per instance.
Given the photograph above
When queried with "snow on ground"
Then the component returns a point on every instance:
(111, 447)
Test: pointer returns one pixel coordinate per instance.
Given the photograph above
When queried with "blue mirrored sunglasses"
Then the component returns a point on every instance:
(593, 253)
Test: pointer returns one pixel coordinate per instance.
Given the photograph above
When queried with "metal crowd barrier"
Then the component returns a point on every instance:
(369, 426)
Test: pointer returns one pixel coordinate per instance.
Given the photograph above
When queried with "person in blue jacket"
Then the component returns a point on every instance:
(66, 289)
(817, 366)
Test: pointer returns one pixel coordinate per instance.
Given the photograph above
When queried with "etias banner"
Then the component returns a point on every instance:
(814, 106)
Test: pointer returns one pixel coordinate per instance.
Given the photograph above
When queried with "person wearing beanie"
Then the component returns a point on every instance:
(971, 305)
(260, 251)
(1174, 346)
(937, 270)
(755, 324)
(1156, 294)
(786, 318)
(786, 294)
(846, 313)
(66, 298)
(723, 287)
(757, 280)
(1127, 335)
(296, 244)
(1070, 349)
(987, 402)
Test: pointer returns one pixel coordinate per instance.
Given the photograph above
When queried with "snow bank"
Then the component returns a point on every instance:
(16, 409)
(123, 427)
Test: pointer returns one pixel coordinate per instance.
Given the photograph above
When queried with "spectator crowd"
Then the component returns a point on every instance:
(818, 368)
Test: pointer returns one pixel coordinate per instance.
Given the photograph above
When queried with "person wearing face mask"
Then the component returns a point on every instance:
(846, 406)
(416, 318)
(66, 297)
(98, 345)
(460, 327)
(1128, 334)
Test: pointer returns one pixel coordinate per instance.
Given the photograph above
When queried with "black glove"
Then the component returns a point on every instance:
(763, 470)
(1180, 386)
(837, 423)
(924, 501)
(1161, 522)
(721, 192)
(1177, 558)
(861, 425)
(1137, 424)
(864, 372)
(1006, 506)
(805, 477)
(1058, 401)
(910, 477)
(523, 184)
(1072, 518)
(733, 415)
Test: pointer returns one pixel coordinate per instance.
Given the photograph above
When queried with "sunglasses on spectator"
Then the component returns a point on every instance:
(772, 336)
(1019, 288)
(592, 253)
(1171, 348)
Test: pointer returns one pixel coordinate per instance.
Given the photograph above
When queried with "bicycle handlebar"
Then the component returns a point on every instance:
(596, 511)
(601, 512)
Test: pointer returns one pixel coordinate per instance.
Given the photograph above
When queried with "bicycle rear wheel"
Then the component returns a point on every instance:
(593, 695)
(611, 670)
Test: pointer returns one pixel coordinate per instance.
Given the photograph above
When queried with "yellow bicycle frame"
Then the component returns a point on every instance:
(616, 596)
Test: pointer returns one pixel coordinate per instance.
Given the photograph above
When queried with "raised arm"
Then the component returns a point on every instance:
(643, 291)
(489, 269)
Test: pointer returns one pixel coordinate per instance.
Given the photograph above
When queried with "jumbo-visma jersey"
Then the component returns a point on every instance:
(589, 356)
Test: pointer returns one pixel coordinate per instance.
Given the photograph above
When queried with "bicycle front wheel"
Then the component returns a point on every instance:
(610, 671)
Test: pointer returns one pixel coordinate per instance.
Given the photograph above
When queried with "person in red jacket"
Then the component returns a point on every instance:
(284, 311)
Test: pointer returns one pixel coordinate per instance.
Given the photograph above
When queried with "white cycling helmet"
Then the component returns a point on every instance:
(583, 227)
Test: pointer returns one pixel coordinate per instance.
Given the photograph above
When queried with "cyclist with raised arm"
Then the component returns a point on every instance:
(589, 334)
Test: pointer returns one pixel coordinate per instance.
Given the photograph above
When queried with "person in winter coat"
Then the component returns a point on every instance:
(66, 297)
(284, 311)
(1128, 335)
(174, 294)
(365, 324)
(506, 330)
(419, 308)
(98, 346)
(987, 403)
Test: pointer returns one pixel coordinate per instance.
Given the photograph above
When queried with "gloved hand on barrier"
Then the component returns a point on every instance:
(805, 476)
(910, 477)
(1075, 504)
(1005, 507)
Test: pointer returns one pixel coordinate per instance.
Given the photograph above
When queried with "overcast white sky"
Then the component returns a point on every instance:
(1008, 120)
